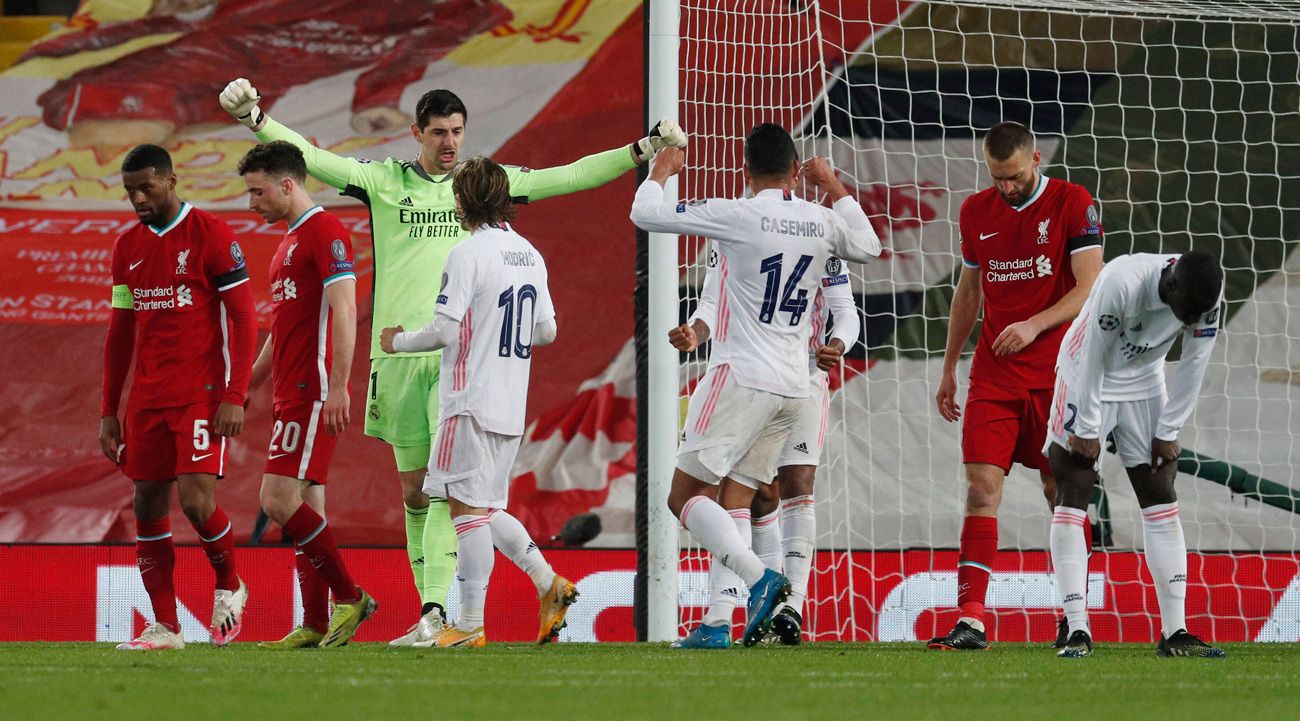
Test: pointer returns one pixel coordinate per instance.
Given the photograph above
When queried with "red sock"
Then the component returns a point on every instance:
(979, 548)
(313, 536)
(315, 594)
(156, 556)
(219, 543)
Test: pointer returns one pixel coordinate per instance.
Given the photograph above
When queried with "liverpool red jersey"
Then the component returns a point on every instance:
(174, 277)
(1023, 256)
(316, 252)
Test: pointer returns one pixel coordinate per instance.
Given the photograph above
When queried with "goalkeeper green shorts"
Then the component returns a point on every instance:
(402, 405)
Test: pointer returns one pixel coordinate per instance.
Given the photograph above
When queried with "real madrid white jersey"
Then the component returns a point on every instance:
(771, 249)
(494, 285)
(1115, 349)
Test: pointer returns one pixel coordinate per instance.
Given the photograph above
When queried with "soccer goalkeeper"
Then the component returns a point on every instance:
(414, 226)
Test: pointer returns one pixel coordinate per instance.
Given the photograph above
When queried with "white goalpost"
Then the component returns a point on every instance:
(1183, 119)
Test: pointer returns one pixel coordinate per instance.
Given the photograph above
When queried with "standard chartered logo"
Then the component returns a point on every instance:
(162, 297)
(1027, 268)
(1044, 265)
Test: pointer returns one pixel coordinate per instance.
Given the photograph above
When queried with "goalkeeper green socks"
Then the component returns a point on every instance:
(439, 546)
(415, 522)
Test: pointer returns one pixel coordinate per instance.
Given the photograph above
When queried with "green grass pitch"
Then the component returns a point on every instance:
(620, 682)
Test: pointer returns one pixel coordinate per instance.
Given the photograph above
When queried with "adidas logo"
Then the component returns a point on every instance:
(802, 448)
(532, 546)
(1135, 328)
(406, 202)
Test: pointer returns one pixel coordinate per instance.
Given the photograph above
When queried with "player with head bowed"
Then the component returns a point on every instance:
(494, 306)
(1111, 382)
(414, 227)
(1030, 250)
(771, 248)
(782, 518)
(183, 307)
(309, 357)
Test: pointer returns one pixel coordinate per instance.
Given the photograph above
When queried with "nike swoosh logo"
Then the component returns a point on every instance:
(986, 236)
(277, 455)
(133, 265)
(194, 458)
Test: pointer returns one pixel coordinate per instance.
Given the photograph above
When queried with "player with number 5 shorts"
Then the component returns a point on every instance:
(414, 226)
(183, 307)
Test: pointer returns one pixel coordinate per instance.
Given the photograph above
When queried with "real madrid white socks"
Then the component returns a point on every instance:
(1166, 556)
(474, 561)
(799, 539)
(725, 586)
(716, 531)
(1070, 564)
(510, 536)
(765, 539)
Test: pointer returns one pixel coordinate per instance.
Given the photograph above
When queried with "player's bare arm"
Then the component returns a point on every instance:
(829, 355)
(1163, 452)
(1086, 264)
(668, 162)
(817, 171)
(966, 302)
(688, 337)
(386, 338)
(230, 419)
(110, 438)
(342, 298)
(1085, 450)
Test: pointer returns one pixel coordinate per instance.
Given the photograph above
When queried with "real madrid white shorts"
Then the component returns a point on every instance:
(470, 464)
(804, 445)
(734, 431)
(1133, 424)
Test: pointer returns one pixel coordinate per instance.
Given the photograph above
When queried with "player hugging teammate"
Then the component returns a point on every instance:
(1030, 248)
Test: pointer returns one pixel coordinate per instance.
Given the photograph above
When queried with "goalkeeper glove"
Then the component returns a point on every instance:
(240, 100)
(663, 134)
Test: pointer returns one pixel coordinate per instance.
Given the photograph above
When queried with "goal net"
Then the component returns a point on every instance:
(1183, 119)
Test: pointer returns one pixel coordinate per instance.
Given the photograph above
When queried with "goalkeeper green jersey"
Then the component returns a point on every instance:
(413, 217)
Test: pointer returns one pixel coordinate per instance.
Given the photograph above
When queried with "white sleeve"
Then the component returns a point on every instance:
(715, 218)
(1101, 331)
(544, 332)
(1185, 381)
(544, 328)
(839, 299)
(854, 238)
(458, 281)
(434, 336)
(706, 311)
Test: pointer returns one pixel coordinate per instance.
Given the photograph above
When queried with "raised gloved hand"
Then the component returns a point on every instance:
(666, 132)
(240, 100)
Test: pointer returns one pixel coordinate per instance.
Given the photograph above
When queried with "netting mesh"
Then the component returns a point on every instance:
(1181, 118)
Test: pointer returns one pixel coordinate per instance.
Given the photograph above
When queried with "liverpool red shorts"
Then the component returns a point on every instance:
(300, 447)
(163, 443)
(1003, 426)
